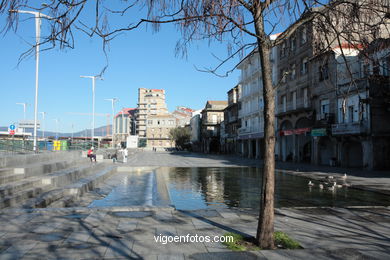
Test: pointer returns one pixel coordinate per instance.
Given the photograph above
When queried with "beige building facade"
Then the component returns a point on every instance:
(157, 130)
(151, 102)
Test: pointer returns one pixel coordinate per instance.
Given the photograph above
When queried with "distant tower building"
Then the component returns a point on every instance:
(151, 102)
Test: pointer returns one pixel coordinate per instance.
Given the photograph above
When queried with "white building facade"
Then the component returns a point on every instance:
(251, 133)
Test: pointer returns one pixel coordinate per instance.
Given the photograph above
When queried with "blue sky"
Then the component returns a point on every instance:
(136, 59)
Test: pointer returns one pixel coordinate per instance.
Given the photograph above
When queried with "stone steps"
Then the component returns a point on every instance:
(15, 193)
(19, 197)
(28, 182)
(13, 177)
(61, 196)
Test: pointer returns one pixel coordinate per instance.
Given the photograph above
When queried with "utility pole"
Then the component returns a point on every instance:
(38, 16)
(24, 112)
(93, 104)
(113, 100)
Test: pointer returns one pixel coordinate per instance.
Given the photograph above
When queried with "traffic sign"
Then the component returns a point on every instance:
(12, 127)
(12, 132)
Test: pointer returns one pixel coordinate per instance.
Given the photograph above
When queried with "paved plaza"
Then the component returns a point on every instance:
(128, 232)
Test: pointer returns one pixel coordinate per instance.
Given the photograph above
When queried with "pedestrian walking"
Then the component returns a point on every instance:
(114, 157)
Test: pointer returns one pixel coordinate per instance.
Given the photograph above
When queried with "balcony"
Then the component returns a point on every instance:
(244, 130)
(350, 128)
(325, 120)
(301, 105)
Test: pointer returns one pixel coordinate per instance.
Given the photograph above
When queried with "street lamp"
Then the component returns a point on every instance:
(43, 119)
(93, 103)
(38, 17)
(24, 109)
(113, 100)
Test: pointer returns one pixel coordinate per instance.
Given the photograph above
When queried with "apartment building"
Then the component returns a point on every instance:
(157, 130)
(231, 123)
(362, 129)
(151, 102)
(212, 116)
(195, 128)
(251, 103)
(183, 115)
(295, 114)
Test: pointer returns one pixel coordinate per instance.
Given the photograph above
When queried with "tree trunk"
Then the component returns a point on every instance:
(265, 228)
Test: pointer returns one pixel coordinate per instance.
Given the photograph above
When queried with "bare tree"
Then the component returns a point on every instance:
(241, 24)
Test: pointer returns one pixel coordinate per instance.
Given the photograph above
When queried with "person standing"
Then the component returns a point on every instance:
(125, 154)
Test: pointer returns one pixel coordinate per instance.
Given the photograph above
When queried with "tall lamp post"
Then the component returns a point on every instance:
(113, 100)
(38, 16)
(24, 112)
(24, 109)
(93, 103)
(43, 119)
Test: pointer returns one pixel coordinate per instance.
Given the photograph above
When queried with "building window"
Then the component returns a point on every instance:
(324, 108)
(365, 69)
(386, 67)
(283, 50)
(375, 67)
(261, 103)
(323, 72)
(150, 122)
(293, 71)
(341, 115)
(303, 35)
(292, 44)
(350, 114)
(294, 100)
(158, 122)
(304, 65)
(214, 118)
(305, 97)
(284, 103)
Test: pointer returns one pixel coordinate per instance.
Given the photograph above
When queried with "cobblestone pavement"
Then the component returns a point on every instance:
(128, 232)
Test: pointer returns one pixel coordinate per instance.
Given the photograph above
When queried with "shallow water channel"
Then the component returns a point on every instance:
(203, 188)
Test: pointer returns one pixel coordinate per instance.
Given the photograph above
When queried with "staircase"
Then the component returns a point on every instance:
(40, 184)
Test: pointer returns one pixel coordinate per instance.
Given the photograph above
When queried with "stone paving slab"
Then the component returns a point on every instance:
(77, 234)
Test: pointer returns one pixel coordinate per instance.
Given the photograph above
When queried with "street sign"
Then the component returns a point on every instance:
(28, 124)
(12, 132)
(12, 127)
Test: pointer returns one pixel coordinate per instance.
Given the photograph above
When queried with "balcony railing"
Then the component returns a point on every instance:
(301, 103)
(244, 130)
(350, 128)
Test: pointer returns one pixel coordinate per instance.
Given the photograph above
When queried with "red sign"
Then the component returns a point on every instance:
(11, 132)
(286, 132)
(298, 131)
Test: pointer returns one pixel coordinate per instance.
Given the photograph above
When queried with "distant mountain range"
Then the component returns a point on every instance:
(99, 131)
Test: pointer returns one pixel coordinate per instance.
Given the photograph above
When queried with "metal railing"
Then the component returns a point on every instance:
(17, 146)
(12, 146)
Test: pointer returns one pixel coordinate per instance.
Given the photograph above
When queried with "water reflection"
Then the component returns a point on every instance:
(199, 188)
